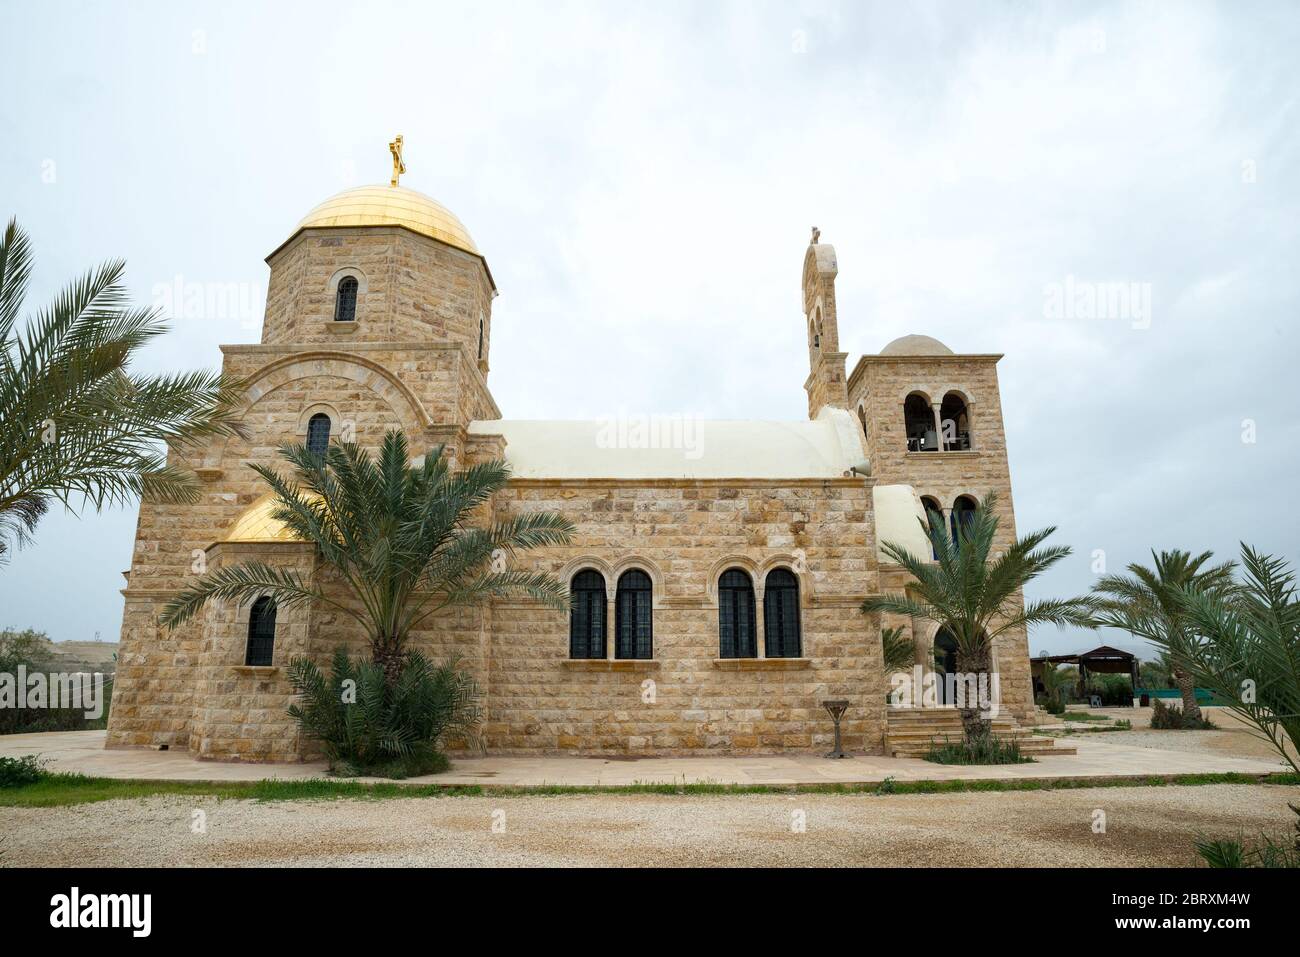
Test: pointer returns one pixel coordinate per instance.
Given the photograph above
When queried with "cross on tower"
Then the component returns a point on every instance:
(399, 167)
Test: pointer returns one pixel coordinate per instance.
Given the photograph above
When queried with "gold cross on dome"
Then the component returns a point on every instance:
(399, 167)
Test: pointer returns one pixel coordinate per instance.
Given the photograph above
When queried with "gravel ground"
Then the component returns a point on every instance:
(1144, 826)
(1234, 737)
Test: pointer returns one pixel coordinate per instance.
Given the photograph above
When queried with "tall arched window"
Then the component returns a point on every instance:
(963, 513)
(480, 337)
(318, 434)
(345, 300)
(862, 419)
(955, 421)
(918, 419)
(781, 615)
(261, 632)
(737, 632)
(587, 615)
(633, 628)
(934, 516)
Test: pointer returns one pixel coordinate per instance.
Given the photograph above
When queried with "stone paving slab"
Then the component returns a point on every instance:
(83, 751)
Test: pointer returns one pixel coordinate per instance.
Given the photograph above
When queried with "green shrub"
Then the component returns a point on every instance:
(1268, 852)
(990, 749)
(17, 772)
(1165, 718)
(368, 727)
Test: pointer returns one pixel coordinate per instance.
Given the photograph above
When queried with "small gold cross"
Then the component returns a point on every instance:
(399, 167)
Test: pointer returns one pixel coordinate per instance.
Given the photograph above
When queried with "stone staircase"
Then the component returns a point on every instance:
(910, 732)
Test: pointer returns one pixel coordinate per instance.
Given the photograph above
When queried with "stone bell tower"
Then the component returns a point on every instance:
(826, 384)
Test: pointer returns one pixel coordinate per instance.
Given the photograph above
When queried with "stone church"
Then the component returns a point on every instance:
(717, 568)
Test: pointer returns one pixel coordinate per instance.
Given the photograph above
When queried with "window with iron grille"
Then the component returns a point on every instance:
(633, 627)
(261, 632)
(345, 300)
(781, 615)
(318, 434)
(737, 636)
(587, 615)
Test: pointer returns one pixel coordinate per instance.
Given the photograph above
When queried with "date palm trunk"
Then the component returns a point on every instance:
(975, 726)
(1187, 688)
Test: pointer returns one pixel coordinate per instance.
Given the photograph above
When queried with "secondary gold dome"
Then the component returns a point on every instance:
(391, 206)
(258, 524)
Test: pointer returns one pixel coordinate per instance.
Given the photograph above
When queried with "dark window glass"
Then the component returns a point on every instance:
(345, 300)
(261, 632)
(781, 615)
(633, 628)
(480, 337)
(933, 515)
(963, 513)
(737, 635)
(587, 615)
(318, 434)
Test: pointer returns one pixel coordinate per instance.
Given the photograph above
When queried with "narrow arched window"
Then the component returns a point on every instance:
(633, 627)
(737, 634)
(934, 517)
(963, 513)
(318, 434)
(955, 421)
(261, 632)
(587, 615)
(480, 337)
(862, 418)
(345, 300)
(781, 615)
(918, 419)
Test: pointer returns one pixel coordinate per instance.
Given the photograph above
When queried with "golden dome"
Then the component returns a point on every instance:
(258, 525)
(391, 206)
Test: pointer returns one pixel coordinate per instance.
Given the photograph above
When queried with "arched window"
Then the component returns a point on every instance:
(633, 629)
(345, 300)
(933, 515)
(737, 632)
(918, 419)
(480, 337)
(781, 615)
(862, 418)
(261, 632)
(963, 513)
(955, 422)
(587, 615)
(318, 434)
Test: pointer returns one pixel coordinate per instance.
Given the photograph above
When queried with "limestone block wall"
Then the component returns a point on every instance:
(239, 711)
(878, 388)
(684, 534)
(410, 289)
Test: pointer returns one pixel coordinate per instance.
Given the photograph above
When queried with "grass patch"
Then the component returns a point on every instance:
(60, 789)
(1083, 716)
(989, 749)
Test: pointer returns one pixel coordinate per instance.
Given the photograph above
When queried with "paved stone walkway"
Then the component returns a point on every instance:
(84, 751)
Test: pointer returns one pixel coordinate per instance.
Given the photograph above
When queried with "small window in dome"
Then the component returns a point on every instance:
(345, 301)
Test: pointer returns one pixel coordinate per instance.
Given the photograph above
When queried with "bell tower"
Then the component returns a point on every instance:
(826, 384)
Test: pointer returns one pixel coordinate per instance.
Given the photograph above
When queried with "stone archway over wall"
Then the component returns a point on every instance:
(405, 404)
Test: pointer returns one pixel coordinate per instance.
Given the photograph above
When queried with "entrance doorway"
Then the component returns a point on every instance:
(945, 663)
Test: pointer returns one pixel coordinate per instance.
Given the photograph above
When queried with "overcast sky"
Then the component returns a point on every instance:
(642, 178)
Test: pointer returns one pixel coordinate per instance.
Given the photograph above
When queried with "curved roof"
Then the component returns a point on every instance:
(258, 525)
(679, 446)
(916, 346)
(391, 206)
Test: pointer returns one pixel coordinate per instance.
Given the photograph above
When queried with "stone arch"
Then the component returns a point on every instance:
(406, 406)
(641, 564)
(332, 286)
(750, 566)
(316, 408)
(794, 564)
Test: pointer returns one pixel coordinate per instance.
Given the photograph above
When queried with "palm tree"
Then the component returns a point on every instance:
(1250, 652)
(898, 648)
(976, 597)
(401, 539)
(1147, 602)
(74, 422)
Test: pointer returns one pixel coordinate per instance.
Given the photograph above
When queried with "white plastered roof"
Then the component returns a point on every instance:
(675, 446)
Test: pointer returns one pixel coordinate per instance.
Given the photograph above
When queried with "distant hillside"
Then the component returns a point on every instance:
(93, 655)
